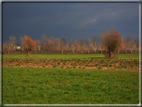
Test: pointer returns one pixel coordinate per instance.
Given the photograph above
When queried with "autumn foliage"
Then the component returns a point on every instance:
(112, 41)
(28, 44)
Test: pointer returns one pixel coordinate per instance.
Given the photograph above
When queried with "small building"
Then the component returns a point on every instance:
(18, 47)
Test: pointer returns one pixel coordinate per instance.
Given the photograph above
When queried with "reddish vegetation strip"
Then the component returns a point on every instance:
(124, 64)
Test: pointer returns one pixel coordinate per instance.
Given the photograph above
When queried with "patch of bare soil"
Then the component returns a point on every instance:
(124, 64)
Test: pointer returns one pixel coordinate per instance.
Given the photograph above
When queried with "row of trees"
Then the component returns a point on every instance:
(93, 43)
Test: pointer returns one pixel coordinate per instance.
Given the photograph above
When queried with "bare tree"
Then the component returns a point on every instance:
(101, 47)
(130, 43)
(50, 44)
(137, 44)
(37, 44)
(94, 41)
(20, 42)
(56, 44)
(4, 46)
(28, 44)
(77, 46)
(126, 45)
(12, 40)
(10, 44)
(81, 43)
(43, 42)
(137, 41)
(62, 44)
(7, 46)
(88, 44)
(112, 40)
(73, 44)
(67, 47)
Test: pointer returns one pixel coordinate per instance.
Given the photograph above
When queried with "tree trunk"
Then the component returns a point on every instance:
(73, 52)
(118, 51)
(28, 53)
(62, 51)
(131, 51)
(21, 50)
(88, 51)
(110, 54)
(95, 51)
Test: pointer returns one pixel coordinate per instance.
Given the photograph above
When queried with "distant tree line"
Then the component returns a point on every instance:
(93, 44)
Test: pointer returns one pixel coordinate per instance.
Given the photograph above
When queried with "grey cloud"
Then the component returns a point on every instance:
(69, 19)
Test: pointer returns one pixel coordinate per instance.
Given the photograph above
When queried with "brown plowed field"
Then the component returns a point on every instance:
(124, 64)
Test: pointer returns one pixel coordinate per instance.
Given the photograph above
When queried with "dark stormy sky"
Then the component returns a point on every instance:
(69, 20)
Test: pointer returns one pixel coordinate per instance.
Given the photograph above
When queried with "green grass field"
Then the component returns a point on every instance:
(65, 56)
(31, 80)
(69, 86)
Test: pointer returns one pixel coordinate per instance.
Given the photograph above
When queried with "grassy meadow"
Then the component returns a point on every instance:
(70, 79)
(69, 86)
(65, 56)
